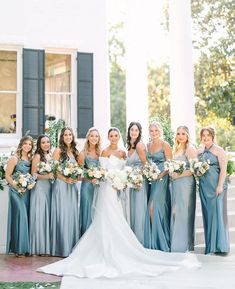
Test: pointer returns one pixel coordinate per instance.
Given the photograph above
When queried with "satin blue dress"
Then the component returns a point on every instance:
(183, 204)
(214, 208)
(157, 231)
(138, 201)
(86, 197)
(64, 217)
(18, 215)
(40, 215)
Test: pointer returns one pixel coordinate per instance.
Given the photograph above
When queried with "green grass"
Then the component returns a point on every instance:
(29, 285)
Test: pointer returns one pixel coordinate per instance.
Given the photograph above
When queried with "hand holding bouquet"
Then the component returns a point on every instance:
(70, 170)
(151, 171)
(45, 168)
(95, 174)
(134, 177)
(175, 166)
(199, 167)
(23, 182)
(118, 179)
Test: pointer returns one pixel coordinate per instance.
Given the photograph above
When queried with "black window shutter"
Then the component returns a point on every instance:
(84, 92)
(33, 92)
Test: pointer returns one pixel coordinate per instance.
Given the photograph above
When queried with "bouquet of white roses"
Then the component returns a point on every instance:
(24, 182)
(118, 179)
(95, 173)
(175, 166)
(69, 169)
(199, 166)
(151, 171)
(3, 165)
(44, 168)
(134, 177)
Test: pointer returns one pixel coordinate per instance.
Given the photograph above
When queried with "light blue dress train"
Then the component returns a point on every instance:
(64, 217)
(18, 215)
(138, 201)
(40, 214)
(183, 204)
(86, 197)
(214, 208)
(157, 231)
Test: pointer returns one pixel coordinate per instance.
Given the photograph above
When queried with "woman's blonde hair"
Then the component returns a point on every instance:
(176, 146)
(86, 148)
(158, 126)
(22, 142)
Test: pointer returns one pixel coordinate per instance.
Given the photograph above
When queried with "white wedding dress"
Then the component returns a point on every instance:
(110, 249)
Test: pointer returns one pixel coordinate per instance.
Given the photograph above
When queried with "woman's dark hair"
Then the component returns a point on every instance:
(64, 148)
(128, 139)
(114, 129)
(39, 149)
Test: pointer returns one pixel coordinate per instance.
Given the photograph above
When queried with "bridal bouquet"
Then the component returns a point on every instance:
(134, 177)
(3, 164)
(118, 179)
(199, 167)
(151, 171)
(97, 173)
(44, 168)
(24, 182)
(175, 166)
(69, 169)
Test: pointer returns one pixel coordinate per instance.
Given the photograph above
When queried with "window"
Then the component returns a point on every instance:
(58, 90)
(8, 91)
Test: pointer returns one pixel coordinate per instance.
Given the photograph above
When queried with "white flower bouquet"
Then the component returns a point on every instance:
(134, 177)
(70, 169)
(44, 168)
(95, 173)
(151, 171)
(118, 179)
(23, 182)
(175, 166)
(3, 165)
(199, 166)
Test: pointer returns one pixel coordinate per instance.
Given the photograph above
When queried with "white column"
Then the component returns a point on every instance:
(136, 67)
(181, 66)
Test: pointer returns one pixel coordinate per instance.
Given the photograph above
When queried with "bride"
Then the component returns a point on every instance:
(109, 248)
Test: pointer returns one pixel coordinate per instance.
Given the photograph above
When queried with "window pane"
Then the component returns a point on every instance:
(58, 87)
(7, 113)
(8, 70)
(58, 72)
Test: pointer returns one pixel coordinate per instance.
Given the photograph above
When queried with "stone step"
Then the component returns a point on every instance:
(230, 204)
(199, 235)
(199, 220)
(200, 248)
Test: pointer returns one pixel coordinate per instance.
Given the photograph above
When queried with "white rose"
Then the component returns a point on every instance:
(97, 175)
(66, 171)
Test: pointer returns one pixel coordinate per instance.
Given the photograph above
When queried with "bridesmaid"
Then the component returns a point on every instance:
(40, 201)
(213, 194)
(18, 213)
(65, 197)
(183, 196)
(88, 157)
(157, 223)
(138, 198)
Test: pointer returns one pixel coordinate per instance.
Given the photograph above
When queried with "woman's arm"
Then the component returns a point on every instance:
(141, 150)
(168, 154)
(81, 158)
(222, 158)
(10, 169)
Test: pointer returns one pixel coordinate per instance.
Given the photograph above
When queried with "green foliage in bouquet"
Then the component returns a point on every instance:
(55, 126)
(230, 167)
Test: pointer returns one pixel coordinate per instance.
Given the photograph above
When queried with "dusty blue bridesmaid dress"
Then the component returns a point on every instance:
(40, 213)
(86, 197)
(18, 215)
(138, 201)
(64, 217)
(214, 208)
(157, 231)
(183, 203)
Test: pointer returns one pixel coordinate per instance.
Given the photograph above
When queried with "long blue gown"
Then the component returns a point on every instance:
(138, 202)
(86, 197)
(40, 213)
(18, 215)
(64, 217)
(214, 208)
(183, 204)
(157, 231)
